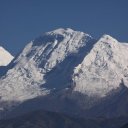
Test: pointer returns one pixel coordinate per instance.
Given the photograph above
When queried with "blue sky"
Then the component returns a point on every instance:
(23, 20)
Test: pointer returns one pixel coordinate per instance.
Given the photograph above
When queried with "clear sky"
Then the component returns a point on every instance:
(23, 20)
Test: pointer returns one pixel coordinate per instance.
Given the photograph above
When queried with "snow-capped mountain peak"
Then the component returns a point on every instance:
(5, 57)
(108, 38)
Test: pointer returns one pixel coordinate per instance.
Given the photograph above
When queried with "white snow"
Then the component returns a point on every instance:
(5, 57)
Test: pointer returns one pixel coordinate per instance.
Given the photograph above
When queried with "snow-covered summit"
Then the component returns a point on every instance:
(62, 31)
(5, 57)
(108, 38)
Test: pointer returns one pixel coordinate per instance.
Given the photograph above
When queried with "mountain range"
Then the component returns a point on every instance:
(67, 72)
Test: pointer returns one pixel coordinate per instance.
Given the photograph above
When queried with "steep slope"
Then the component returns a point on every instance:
(5, 57)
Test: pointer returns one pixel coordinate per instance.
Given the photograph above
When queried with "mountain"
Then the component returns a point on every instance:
(5, 57)
(70, 72)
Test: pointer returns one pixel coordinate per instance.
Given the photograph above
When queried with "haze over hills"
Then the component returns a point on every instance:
(69, 72)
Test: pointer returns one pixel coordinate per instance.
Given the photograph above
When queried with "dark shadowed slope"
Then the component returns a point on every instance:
(44, 119)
